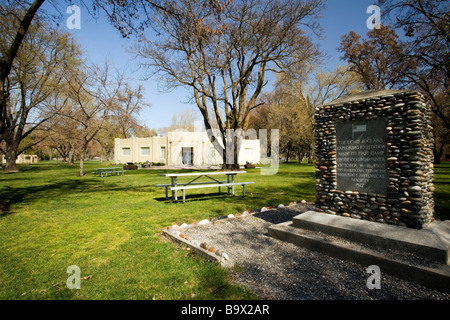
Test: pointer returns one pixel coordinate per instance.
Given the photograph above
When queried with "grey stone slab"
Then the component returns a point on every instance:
(428, 242)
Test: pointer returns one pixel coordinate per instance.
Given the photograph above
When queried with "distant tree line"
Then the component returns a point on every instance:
(52, 98)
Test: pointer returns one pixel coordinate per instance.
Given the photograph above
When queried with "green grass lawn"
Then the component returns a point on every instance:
(442, 191)
(110, 228)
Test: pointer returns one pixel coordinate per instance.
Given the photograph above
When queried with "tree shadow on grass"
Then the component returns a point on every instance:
(199, 197)
(5, 209)
(11, 196)
(281, 215)
(290, 192)
(441, 205)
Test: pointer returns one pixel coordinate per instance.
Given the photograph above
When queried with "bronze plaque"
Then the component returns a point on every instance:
(362, 156)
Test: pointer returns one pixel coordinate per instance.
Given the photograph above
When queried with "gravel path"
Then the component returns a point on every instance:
(278, 270)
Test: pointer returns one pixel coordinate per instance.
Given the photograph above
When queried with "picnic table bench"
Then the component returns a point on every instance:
(105, 171)
(174, 186)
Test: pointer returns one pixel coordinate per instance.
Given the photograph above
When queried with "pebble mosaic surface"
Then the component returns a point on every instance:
(409, 159)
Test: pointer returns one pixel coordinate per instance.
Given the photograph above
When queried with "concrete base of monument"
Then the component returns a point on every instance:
(420, 256)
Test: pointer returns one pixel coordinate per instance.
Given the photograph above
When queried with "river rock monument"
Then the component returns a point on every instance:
(374, 189)
(374, 158)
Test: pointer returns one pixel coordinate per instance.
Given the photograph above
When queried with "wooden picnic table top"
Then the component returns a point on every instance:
(110, 168)
(199, 173)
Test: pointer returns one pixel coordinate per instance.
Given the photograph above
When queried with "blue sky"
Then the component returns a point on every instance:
(100, 40)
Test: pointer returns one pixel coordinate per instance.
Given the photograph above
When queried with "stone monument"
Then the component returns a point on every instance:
(374, 188)
(374, 158)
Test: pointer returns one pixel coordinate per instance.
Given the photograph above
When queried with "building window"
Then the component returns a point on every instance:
(145, 151)
(163, 152)
(212, 154)
(187, 155)
(126, 151)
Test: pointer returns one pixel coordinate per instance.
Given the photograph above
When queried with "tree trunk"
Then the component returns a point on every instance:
(439, 151)
(7, 60)
(11, 157)
(3, 109)
(11, 148)
(72, 158)
(72, 155)
(80, 170)
(236, 154)
(310, 158)
(231, 164)
(82, 156)
(300, 156)
(437, 154)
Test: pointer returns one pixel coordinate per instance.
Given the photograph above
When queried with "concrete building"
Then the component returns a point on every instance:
(24, 158)
(179, 148)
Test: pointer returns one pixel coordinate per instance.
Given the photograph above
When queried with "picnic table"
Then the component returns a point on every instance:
(105, 171)
(174, 186)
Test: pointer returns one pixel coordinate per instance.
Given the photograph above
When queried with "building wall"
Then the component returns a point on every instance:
(169, 150)
(24, 158)
(139, 149)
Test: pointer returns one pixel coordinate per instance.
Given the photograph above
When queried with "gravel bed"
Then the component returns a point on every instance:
(278, 270)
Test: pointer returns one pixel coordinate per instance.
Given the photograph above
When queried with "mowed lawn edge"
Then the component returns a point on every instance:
(110, 228)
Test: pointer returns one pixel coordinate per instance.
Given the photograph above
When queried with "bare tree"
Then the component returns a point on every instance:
(379, 60)
(10, 50)
(21, 14)
(223, 55)
(184, 121)
(33, 85)
(126, 107)
(419, 60)
(291, 106)
(91, 98)
(426, 26)
(123, 117)
(328, 86)
(60, 135)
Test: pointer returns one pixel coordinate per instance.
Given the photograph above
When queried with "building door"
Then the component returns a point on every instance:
(188, 155)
